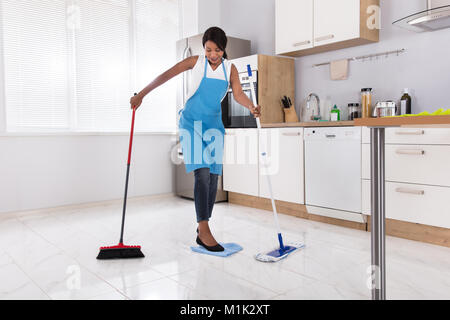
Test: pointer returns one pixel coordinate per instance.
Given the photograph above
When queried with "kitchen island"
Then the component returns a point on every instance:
(378, 193)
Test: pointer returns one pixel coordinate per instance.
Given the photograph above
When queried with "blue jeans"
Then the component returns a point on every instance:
(205, 191)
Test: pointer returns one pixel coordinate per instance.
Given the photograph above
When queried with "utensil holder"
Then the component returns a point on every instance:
(290, 115)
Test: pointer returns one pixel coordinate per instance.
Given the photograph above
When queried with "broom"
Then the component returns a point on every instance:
(122, 251)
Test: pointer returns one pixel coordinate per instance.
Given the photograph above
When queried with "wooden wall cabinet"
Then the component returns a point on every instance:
(276, 78)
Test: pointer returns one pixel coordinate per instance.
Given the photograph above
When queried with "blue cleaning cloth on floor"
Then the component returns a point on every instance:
(230, 248)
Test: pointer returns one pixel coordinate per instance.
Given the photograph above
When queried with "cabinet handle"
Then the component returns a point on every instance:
(410, 191)
(298, 44)
(295, 134)
(330, 136)
(408, 133)
(411, 152)
(328, 37)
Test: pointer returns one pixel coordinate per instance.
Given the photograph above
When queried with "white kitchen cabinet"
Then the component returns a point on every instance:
(240, 168)
(285, 164)
(336, 21)
(422, 164)
(434, 136)
(417, 183)
(306, 27)
(422, 204)
(413, 203)
(294, 25)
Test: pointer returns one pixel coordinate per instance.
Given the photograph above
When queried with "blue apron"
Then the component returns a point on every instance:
(201, 127)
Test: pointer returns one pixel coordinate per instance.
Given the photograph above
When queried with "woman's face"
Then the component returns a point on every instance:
(213, 53)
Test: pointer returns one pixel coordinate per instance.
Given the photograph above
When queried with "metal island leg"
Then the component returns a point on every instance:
(378, 231)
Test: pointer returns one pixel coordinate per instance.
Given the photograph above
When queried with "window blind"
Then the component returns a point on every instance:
(72, 65)
(157, 30)
(35, 52)
(102, 55)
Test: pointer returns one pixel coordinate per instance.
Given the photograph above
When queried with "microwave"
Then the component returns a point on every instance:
(235, 115)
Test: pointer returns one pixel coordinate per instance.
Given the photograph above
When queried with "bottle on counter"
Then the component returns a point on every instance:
(366, 102)
(353, 111)
(405, 102)
(335, 114)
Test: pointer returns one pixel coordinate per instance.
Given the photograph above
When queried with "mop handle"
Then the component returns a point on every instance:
(264, 155)
(128, 174)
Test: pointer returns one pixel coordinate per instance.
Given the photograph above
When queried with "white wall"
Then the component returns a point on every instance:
(209, 14)
(199, 15)
(252, 20)
(189, 18)
(49, 171)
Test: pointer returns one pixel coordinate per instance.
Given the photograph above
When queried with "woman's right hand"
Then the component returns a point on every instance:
(136, 101)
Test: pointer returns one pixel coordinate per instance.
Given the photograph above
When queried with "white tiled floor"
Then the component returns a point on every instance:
(50, 254)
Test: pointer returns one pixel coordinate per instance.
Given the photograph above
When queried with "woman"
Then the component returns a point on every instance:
(201, 121)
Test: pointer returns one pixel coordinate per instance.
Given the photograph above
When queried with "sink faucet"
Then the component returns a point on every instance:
(308, 101)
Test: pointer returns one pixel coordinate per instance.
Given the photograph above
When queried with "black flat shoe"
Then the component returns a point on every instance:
(216, 248)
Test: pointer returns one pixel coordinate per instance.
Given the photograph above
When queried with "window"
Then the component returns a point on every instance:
(72, 65)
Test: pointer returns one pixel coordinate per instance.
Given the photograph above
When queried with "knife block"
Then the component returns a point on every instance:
(290, 115)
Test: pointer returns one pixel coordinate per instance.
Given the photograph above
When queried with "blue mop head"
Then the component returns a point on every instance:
(230, 249)
(279, 254)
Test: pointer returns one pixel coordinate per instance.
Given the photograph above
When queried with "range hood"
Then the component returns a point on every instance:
(436, 17)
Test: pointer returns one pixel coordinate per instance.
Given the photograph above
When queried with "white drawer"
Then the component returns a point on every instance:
(418, 204)
(422, 164)
(417, 136)
(414, 203)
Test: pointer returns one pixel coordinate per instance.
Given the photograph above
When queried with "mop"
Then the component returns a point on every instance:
(122, 251)
(284, 250)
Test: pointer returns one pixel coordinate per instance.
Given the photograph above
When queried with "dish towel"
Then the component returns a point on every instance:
(339, 69)
(230, 248)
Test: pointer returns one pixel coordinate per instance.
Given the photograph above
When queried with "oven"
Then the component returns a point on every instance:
(235, 115)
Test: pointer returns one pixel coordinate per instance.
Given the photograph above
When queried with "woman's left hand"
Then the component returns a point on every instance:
(256, 111)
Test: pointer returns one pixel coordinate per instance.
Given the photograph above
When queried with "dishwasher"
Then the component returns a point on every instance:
(333, 172)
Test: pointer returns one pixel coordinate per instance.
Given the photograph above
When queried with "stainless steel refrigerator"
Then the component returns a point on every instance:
(192, 46)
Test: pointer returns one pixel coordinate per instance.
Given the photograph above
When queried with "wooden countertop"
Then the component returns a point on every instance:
(308, 124)
(419, 121)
